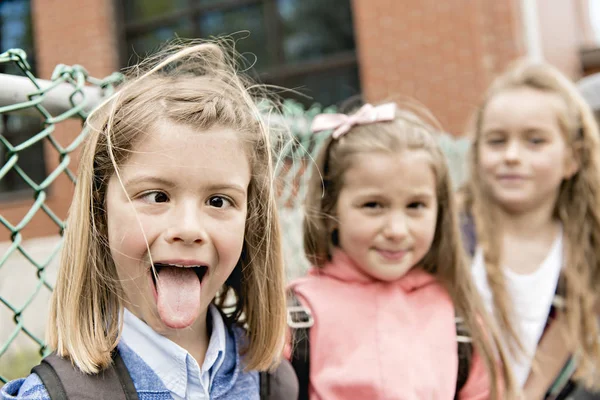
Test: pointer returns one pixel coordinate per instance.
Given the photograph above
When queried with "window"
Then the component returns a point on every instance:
(16, 32)
(307, 45)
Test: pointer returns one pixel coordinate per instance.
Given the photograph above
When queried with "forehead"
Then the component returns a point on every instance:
(523, 107)
(189, 154)
(407, 171)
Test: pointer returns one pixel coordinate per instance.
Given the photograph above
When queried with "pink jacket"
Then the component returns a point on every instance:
(378, 340)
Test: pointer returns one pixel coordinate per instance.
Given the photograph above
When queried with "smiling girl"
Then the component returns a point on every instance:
(389, 282)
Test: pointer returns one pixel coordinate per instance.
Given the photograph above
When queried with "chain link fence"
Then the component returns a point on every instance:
(28, 266)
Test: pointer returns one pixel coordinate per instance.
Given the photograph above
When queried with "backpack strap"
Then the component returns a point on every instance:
(63, 381)
(300, 320)
(280, 384)
(465, 353)
(264, 381)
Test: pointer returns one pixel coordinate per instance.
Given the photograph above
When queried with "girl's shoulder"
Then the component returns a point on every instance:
(30, 388)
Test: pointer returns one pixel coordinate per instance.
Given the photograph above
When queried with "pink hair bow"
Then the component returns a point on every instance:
(341, 123)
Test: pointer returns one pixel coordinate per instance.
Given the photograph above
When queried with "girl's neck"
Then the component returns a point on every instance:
(529, 224)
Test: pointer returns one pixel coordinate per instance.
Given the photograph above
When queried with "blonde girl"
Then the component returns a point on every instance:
(389, 278)
(534, 205)
(173, 214)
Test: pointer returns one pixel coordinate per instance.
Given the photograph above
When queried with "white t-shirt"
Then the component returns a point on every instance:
(532, 296)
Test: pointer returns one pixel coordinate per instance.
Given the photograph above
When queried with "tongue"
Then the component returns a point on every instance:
(178, 296)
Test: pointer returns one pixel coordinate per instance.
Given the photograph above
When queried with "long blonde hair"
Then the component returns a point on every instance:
(196, 85)
(445, 259)
(577, 208)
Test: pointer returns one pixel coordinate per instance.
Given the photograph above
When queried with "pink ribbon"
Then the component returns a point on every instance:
(341, 123)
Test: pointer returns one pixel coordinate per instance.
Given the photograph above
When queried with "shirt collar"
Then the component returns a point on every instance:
(342, 267)
(168, 360)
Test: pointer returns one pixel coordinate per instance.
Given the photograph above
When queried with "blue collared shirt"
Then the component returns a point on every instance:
(178, 370)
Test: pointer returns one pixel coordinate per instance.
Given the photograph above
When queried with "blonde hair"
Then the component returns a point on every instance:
(577, 208)
(196, 85)
(445, 259)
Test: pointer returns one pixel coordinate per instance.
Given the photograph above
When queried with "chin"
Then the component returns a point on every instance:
(391, 277)
(515, 206)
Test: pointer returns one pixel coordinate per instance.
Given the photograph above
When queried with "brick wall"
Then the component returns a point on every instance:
(65, 32)
(443, 53)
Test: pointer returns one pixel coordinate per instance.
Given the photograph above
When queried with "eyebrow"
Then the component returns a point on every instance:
(232, 186)
(147, 179)
(423, 194)
(169, 184)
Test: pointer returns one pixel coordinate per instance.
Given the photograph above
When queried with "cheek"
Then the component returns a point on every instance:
(348, 220)
(126, 239)
(549, 164)
(429, 227)
(487, 160)
(229, 238)
(359, 234)
(486, 164)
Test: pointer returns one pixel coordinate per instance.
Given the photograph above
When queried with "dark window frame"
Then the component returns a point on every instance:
(278, 74)
(22, 193)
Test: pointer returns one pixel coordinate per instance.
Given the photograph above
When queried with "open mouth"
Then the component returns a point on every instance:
(200, 270)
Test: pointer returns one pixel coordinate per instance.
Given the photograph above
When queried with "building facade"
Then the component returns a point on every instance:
(441, 53)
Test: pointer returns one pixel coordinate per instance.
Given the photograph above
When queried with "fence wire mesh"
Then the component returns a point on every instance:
(28, 266)
(15, 300)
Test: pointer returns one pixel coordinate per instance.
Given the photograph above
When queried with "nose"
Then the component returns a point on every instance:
(512, 152)
(396, 226)
(186, 225)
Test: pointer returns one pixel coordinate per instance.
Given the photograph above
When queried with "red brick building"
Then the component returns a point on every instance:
(443, 53)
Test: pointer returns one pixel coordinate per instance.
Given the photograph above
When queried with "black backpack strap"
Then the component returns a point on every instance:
(264, 380)
(63, 381)
(300, 320)
(124, 377)
(465, 353)
(280, 384)
(50, 380)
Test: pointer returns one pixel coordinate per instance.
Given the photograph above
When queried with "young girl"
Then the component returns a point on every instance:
(173, 214)
(389, 276)
(534, 198)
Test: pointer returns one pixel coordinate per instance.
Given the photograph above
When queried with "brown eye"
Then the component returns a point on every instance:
(219, 202)
(161, 197)
(371, 204)
(155, 197)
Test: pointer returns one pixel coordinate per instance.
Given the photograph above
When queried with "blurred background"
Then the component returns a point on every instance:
(441, 53)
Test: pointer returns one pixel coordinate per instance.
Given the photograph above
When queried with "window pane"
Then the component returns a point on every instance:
(230, 21)
(17, 129)
(315, 28)
(16, 31)
(327, 87)
(139, 10)
(143, 45)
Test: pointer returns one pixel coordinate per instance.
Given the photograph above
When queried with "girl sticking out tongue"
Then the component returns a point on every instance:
(174, 167)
